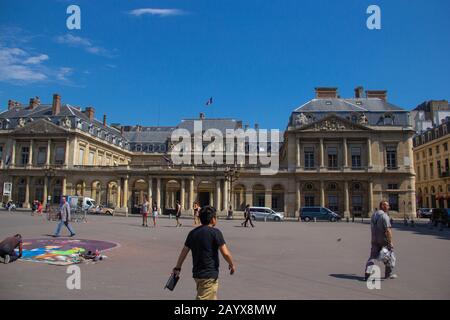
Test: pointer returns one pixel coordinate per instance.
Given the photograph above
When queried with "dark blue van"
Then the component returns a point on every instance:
(320, 213)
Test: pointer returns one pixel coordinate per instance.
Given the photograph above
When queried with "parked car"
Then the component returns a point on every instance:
(424, 212)
(101, 210)
(441, 216)
(265, 213)
(320, 213)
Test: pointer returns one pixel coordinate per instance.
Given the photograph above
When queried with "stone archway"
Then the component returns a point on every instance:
(80, 188)
(239, 197)
(278, 203)
(139, 192)
(172, 194)
(112, 194)
(259, 195)
(98, 193)
(205, 193)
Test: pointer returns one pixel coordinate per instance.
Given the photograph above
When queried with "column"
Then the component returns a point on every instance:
(45, 191)
(30, 154)
(211, 199)
(322, 193)
(150, 191)
(370, 198)
(298, 151)
(26, 204)
(248, 197)
(268, 197)
(369, 153)
(47, 159)
(346, 200)
(64, 186)
(86, 155)
(13, 153)
(225, 194)
(182, 195)
(158, 194)
(125, 195)
(66, 153)
(218, 198)
(298, 198)
(191, 194)
(345, 149)
(119, 194)
(321, 155)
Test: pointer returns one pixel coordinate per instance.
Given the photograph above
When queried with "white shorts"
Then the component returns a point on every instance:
(154, 214)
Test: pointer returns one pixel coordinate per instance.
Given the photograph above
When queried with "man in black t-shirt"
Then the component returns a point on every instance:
(205, 242)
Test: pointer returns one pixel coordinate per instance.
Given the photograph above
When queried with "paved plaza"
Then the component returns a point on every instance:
(289, 260)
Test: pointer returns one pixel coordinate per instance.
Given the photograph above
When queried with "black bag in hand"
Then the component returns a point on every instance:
(172, 282)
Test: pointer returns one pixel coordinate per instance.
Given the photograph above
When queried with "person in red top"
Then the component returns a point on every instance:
(7, 246)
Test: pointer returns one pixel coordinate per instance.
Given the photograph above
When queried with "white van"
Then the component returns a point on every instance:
(84, 203)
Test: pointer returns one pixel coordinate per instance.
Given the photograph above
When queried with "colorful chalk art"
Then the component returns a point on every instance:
(61, 251)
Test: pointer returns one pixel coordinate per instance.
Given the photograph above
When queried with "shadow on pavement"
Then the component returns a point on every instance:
(348, 277)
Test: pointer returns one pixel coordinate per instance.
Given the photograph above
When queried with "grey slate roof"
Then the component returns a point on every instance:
(220, 124)
(149, 134)
(373, 108)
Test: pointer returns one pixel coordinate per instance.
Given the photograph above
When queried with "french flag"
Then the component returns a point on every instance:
(209, 102)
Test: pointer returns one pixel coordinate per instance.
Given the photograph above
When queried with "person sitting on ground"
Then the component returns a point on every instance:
(7, 246)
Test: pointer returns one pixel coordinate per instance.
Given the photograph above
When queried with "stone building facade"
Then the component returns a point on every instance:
(345, 154)
(431, 155)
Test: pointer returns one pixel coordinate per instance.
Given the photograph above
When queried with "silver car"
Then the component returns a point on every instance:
(265, 213)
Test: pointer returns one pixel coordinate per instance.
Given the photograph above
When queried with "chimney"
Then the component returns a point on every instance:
(256, 126)
(122, 130)
(34, 102)
(56, 105)
(104, 120)
(90, 112)
(326, 92)
(239, 124)
(138, 128)
(11, 104)
(246, 126)
(202, 116)
(380, 94)
(359, 92)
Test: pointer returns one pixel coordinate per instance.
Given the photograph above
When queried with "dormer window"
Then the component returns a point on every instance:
(328, 103)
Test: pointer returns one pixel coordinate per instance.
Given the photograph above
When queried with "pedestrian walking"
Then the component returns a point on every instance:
(178, 214)
(196, 213)
(205, 242)
(247, 217)
(154, 213)
(64, 218)
(7, 246)
(381, 239)
(145, 208)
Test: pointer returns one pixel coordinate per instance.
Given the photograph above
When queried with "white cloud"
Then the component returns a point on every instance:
(157, 12)
(86, 44)
(18, 66)
(37, 59)
(63, 73)
(15, 66)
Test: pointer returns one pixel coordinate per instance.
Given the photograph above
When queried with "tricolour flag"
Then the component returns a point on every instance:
(209, 102)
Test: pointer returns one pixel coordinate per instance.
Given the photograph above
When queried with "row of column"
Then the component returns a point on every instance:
(346, 196)
(31, 149)
(345, 152)
(27, 201)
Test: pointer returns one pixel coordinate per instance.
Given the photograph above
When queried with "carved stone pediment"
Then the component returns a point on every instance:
(41, 126)
(334, 123)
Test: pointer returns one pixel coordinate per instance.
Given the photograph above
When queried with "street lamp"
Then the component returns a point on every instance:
(231, 175)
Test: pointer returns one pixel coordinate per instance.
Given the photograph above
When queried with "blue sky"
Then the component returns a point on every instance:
(259, 60)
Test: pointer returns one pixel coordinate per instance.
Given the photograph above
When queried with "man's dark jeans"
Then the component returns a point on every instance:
(6, 250)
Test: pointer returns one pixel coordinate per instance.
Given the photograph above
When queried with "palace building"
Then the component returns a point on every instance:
(346, 154)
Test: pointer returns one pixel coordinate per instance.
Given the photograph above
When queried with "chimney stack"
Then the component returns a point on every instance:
(326, 92)
(90, 112)
(380, 94)
(256, 126)
(359, 92)
(104, 120)
(34, 102)
(202, 116)
(246, 127)
(11, 104)
(56, 105)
